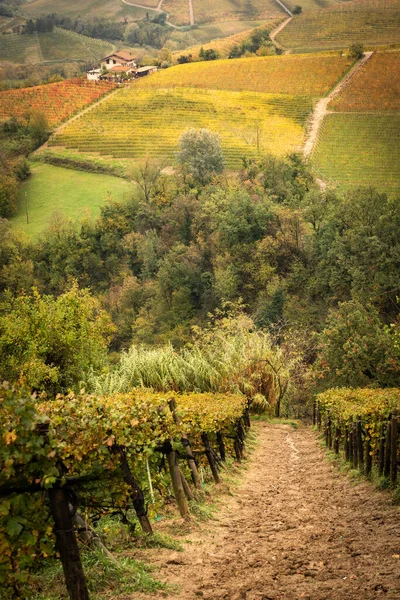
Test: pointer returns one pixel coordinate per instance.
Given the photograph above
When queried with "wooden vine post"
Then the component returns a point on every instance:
(210, 456)
(368, 454)
(176, 478)
(66, 542)
(67, 545)
(136, 491)
(388, 449)
(359, 443)
(221, 446)
(337, 439)
(394, 444)
(381, 464)
(346, 444)
(186, 444)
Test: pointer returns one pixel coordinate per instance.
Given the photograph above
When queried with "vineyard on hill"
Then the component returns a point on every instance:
(339, 26)
(137, 122)
(299, 75)
(57, 101)
(58, 45)
(359, 143)
(375, 88)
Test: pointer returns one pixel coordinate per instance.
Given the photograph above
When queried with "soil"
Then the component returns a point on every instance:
(294, 528)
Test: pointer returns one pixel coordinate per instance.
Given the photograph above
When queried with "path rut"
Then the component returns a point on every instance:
(295, 529)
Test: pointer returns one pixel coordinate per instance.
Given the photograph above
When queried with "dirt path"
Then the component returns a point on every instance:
(295, 529)
(321, 108)
(285, 8)
(191, 12)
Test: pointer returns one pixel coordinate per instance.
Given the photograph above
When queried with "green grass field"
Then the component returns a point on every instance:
(340, 26)
(51, 191)
(58, 45)
(359, 149)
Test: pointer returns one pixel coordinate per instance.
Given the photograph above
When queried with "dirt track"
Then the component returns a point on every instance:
(295, 528)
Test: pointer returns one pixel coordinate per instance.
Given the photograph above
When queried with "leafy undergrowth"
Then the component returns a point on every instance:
(106, 578)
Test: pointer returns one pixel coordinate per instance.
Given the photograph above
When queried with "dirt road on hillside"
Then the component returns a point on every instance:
(294, 529)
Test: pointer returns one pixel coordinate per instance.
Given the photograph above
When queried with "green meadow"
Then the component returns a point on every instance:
(52, 192)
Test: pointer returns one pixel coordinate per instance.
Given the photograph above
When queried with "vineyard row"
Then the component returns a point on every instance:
(363, 424)
(102, 455)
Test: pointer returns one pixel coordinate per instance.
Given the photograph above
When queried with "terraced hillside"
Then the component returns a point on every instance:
(138, 122)
(338, 26)
(58, 45)
(359, 143)
(257, 105)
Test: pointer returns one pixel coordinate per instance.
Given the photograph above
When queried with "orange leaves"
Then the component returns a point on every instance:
(58, 101)
(9, 437)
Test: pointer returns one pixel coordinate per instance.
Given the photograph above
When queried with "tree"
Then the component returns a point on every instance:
(210, 54)
(201, 154)
(355, 348)
(356, 51)
(146, 175)
(297, 9)
(48, 343)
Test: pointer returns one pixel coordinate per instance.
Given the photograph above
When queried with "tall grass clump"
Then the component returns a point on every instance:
(228, 355)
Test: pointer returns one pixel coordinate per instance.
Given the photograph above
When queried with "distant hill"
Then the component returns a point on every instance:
(56, 46)
(337, 26)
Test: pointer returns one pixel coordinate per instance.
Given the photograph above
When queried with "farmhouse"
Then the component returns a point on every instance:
(118, 59)
(93, 74)
(143, 71)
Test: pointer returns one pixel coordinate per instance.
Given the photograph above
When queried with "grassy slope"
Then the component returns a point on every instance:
(110, 9)
(53, 190)
(59, 45)
(360, 143)
(339, 26)
(360, 149)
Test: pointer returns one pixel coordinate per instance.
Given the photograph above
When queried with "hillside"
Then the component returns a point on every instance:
(304, 75)
(108, 9)
(339, 25)
(256, 105)
(359, 141)
(205, 11)
(57, 101)
(50, 47)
